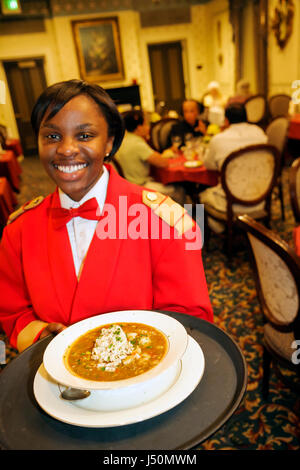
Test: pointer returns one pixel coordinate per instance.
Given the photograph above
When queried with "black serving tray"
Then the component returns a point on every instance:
(25, 426)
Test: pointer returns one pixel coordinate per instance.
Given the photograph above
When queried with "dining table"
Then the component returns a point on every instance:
(180, 169)
(296, 238)
(294, 127)
(208, 406)
(8, 201)
(10, 169)
(293, 138)
(189, 172)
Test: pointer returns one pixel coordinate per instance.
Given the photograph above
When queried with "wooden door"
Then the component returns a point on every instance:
(26, 81)
(167, 74)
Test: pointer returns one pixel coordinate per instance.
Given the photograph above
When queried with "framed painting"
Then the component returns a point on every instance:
(98, 49)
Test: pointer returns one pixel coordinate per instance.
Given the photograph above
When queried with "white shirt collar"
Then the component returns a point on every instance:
(98, 191)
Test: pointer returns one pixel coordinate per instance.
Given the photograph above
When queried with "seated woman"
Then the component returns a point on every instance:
(135, 157)
(96, 244)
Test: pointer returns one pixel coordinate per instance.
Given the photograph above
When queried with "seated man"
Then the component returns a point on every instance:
(238, 134)
(135, 157)
(191, 123)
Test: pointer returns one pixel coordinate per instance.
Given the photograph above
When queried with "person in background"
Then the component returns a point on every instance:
(213, 96)
(238, 133)
(136, 157)
(214, 104)
(242, 93)
(61, 260)
(191, 124)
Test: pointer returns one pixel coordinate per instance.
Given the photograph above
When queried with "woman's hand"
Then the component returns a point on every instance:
(54, 328)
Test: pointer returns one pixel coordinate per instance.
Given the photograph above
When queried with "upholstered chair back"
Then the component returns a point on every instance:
(277, 132)
(279, 105)
(248, 175)
(255, 108)
(164, 132)
(277, 283)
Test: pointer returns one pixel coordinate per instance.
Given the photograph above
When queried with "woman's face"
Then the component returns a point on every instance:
(73, 144)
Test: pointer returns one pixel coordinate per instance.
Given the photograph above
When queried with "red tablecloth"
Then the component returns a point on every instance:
(296, 236)
(176, 172)
(294, 128)
(8, 200)
(10, 169)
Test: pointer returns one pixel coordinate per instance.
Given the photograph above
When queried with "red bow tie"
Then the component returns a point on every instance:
(88, 210)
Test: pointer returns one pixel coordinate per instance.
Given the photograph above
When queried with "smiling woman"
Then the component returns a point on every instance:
(73, 144)
(76, 128)
(55, 269)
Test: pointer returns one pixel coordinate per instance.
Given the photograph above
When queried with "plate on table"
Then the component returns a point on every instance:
(47, 394)
(193, 164)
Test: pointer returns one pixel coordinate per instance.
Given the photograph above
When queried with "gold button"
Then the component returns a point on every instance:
(152, 196)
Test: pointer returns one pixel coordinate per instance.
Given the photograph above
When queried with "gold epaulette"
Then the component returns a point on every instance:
(25, 207)
(168, 210)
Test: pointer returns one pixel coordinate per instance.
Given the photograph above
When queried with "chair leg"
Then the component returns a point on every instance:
(281, 200)
(267, 359)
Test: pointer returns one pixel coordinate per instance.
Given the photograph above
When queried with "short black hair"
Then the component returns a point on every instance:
(57, 95)
(199, 104)
(236, 113)
(133, 119)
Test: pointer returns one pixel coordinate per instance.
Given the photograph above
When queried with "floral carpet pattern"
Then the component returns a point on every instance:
(258, 424)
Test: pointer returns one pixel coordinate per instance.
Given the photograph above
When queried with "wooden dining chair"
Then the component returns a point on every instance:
(154, 135)
(294, 187)
(164, 132)
(277, 275)
(256, 109)
(248, 176)
(277, 131)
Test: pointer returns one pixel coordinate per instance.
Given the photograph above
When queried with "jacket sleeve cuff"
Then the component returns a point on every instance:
(30, 334)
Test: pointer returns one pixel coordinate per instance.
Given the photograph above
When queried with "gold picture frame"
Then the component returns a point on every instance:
(98, 49)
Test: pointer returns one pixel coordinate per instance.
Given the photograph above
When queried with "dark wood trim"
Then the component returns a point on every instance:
(294, 169)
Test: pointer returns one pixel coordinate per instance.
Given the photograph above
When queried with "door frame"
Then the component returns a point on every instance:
(146, 87)
(9, 98)
(162, 43)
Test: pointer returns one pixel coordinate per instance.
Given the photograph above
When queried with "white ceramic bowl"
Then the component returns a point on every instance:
(127, 393)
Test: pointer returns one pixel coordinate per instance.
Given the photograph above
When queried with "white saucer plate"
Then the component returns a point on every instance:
(47, 394)
(193, 164)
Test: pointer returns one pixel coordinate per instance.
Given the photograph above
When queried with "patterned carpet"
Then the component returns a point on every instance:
(258, 424)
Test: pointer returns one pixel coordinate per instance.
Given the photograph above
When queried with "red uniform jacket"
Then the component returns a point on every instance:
(38, 280)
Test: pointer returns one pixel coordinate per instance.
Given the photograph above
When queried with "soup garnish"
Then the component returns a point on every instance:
(116, 351)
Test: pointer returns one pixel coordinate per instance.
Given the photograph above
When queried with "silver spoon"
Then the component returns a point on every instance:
(74, 393)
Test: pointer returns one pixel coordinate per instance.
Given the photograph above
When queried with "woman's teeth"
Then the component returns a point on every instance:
(70, 168)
